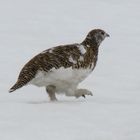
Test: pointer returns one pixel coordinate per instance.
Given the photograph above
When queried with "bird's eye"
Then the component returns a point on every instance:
(102, 33)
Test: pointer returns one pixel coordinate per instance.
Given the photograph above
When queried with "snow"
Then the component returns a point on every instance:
(113, 112)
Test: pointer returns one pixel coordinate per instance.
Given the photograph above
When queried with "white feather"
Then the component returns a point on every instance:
(81, 58)
(82, 49)
(72, 60)
(66, 80)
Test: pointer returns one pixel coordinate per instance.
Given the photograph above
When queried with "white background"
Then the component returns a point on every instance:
(28, 27)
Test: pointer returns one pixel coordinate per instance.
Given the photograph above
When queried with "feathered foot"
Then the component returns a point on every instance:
(82, 92)
(51, 92)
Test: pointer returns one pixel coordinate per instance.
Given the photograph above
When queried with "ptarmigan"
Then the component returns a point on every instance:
(60, 69)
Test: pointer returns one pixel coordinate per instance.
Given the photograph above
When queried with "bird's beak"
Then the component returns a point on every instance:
(107, 35)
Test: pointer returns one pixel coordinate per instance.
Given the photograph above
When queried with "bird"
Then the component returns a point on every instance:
(60, 69)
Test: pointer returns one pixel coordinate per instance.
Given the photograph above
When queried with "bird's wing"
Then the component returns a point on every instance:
(52, 58)
(60, 56)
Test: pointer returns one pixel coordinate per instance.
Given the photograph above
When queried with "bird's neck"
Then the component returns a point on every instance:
(92, 44)
(91, 55)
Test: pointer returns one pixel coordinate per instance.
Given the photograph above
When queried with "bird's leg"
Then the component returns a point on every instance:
(82, 92)
(51, 91)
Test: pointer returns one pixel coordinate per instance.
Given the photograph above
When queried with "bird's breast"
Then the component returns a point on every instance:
(62, 77)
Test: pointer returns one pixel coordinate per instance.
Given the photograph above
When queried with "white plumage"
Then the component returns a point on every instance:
(64, 79)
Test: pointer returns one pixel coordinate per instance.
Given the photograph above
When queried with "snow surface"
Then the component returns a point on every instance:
(28, 27)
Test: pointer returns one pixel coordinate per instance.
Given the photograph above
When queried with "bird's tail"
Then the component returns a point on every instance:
(16, 86)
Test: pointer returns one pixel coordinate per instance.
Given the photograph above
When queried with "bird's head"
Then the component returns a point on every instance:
(97, 36)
